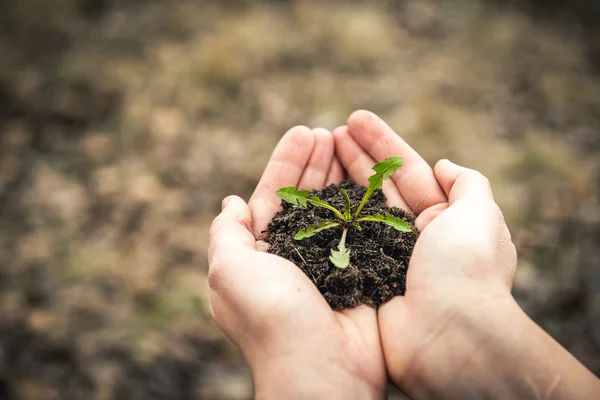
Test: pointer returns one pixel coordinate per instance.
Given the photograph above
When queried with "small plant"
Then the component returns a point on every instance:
(346, 219)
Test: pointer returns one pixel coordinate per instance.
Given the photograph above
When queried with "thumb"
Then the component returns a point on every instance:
(457, 182)
(230, 232)
(475, 217)
(460, 182)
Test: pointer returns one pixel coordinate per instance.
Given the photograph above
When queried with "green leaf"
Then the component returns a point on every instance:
(300, 197)
(312, 230)
(383, 170)
(347, 214)
(341, 257)
(293, 196)
(389, 219)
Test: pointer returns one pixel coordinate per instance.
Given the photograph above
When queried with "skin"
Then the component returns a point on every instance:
(457, 333)
(266, 305)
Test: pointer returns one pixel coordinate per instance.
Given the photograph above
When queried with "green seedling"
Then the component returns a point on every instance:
(347, 219)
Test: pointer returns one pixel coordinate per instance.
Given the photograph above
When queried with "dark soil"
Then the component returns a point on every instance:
(379, 254)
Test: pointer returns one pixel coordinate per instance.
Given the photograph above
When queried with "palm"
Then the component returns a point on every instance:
(303, 313)
(306, 159)
(366, 140)
(270, 308)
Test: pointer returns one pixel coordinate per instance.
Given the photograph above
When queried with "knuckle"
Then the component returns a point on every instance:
(496, 213)
(215, 226)
(484, 179)
(300, 128)
(215, 280)
(478, 176)
(213, 240)
(438, 164)
(217, 275)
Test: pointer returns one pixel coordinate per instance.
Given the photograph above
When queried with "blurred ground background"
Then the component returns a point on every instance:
(124, 123)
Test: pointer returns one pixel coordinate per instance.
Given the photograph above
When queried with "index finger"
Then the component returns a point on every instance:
(415, 180)
(284, 169)
(230, 230)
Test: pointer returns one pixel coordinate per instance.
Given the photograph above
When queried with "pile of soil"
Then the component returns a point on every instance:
(379, 254)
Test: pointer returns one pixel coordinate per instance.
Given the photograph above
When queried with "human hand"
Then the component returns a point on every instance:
(457, 332)
(295, 344)
(463, 263)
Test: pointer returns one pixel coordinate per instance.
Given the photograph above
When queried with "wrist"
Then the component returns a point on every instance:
(304, 377)
(465, 345)
(494, 350)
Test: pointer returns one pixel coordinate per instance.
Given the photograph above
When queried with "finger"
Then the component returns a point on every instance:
(284, 169)
(261, 245)
(336, 172)
(471, 199)
(415, 180)
(429, 215)
(316, 170)
(231, 231)
(460, 182)
(392, 317)
(361, 317)
(359, 165)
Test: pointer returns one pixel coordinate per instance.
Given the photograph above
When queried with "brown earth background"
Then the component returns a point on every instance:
(124, 123)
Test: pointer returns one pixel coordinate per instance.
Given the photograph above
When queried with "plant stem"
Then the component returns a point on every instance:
(331, 208)
(343, 240)
(341, 257)
(362, 204)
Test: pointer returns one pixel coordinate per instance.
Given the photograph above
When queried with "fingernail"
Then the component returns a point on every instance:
(224, 202)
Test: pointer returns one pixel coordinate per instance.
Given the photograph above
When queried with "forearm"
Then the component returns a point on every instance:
(500, 354)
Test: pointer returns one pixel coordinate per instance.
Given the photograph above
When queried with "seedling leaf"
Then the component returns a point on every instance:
(300, 197)
(347, 213)
(383, 170)
(341, 257)
(293, 196)
(312, 230)
(389, 219)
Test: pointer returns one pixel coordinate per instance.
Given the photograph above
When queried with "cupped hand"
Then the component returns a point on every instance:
(295, 344)
(462, 266)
